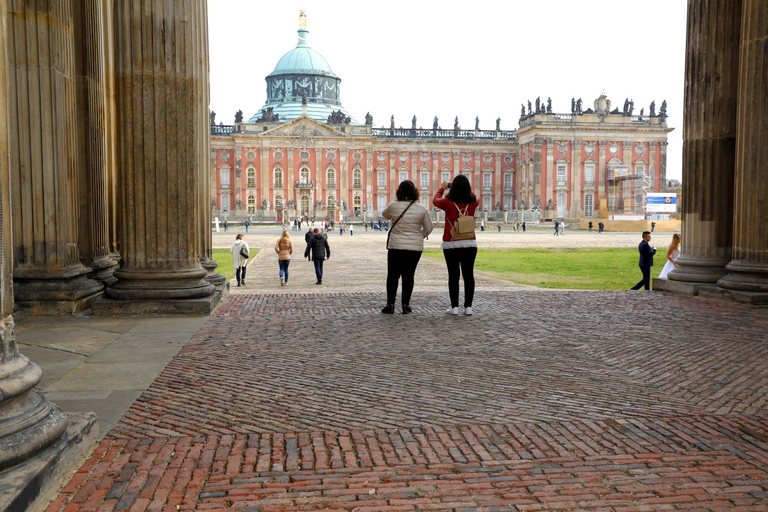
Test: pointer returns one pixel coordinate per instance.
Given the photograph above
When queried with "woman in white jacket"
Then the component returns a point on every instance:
(239, 260)
(405, 242)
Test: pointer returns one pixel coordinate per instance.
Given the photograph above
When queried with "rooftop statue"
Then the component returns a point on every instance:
(239, 116)
(530, 111)
(578, 106)
(498, 124)
(368, 119)
(338, 117)
(456, 123)
(268, 116)
(573, 105)
(663, 109)
(652, 111)
(549, 105)
(392, 122)
(304, 97)
(522, 110)
(413, 123)
(477, 123)
(538, 104)
(213, 117)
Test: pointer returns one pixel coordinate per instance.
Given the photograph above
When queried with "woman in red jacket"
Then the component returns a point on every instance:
(459, 254)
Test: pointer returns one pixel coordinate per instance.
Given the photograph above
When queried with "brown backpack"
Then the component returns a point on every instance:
(464, 227)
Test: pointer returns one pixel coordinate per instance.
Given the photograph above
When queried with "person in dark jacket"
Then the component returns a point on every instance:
(320, 250)
(646, 261)
(307, 239)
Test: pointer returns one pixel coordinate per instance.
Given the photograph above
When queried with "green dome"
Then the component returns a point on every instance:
(302, 59)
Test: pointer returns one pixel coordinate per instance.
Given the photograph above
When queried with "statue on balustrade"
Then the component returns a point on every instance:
(213, 118)
(578, 106)
(652, 112)
(498, 124)
(573, 105)
(530, 111)
(368, 119)
(549, 105)
(631, 107)
(456, 123)
(477, 123)
(413, 123)
(663, 109)
(434, 124)
(268, 116)
(239, 116)
(522, 110)
(538, 105)
(338, 117)
(392, 122)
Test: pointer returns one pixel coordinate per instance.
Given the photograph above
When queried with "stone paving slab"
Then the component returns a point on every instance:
(542, 400)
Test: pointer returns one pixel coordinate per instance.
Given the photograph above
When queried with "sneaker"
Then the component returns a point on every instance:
(282, 281)
(407, 309)
(452, 311)
(388, 309)
(468, 310)
(319, 282)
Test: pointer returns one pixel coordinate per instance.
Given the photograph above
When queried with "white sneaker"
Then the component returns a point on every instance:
(452, 311)
(282, 281)
(468, 311)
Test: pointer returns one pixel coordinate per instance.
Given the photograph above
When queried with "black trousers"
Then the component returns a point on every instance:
(240, 274)
(645, 281)
(401, 263)
(461, 263)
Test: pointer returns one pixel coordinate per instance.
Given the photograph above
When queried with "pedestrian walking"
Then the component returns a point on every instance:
(405, 243)
(240, 253)
(653, 226)
(459, 252)
(523, 226)
(307, 239)
(499, 227)
(590, 226)
(646, 261)
(247, 224)
(284, 249)
(226, 226)
(351, 230)
(557, 227)
(320, 250)
(562, 227)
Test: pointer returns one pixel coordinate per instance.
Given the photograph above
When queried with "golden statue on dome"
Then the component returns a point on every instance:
(303, 18)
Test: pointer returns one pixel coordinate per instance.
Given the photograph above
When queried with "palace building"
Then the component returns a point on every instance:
(303, 153)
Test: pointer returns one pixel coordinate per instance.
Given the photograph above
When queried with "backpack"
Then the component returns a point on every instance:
(464, 227)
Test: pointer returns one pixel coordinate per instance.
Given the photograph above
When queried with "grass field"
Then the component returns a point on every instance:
(224, 258)
(581, 269)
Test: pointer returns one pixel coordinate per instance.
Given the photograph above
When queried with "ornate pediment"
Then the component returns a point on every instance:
(303, 128)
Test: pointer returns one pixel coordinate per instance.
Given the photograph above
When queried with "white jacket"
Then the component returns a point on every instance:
(237, 259)
(410, 231)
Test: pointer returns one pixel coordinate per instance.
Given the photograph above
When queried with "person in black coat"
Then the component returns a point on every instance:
(307, 239)
(646, 261)
(320, 250)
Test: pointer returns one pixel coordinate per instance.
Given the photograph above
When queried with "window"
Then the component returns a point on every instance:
(331, 177)
(251, 177)
(224, 178)
(278, 176)
(589, 175)
(403, 176)
(278, 201)
(640, 170)
(425, 180)
(305, 204)
(304, 175)
(382, 203)
(507, 182)
(330, 202)
(588, 205)
(447, 177)
(508, 203)
(486, 182)
(424, 200)
(561, 205)
(487, 203)
(561, 174)
(357, 178)
(382, 180)
(251, 203)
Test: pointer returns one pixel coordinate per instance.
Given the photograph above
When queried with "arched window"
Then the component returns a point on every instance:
(305, 204)
(357, 177)
(331, 201)
(251, 177)
(278, 176)
(304, 175)
(331, 176)
(251, 204)
(588, 205)
(278, 201)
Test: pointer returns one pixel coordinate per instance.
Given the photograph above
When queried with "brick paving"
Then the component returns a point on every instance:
(289, 400)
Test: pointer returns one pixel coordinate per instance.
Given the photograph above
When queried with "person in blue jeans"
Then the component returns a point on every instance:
(284, 249)
(320, 250)
(240, 251)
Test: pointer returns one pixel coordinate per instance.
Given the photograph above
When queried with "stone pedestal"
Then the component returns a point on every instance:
(709, 143)
(160, 158)
(747, 279)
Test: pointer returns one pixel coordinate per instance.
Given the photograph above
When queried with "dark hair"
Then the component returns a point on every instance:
(646, 233)
(461, 191)
(407, 191)
(316, 230)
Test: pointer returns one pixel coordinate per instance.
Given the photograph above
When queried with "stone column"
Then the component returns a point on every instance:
(538, 188)
(709, 144)
(50, 278)
(577, 183)
(207, 163)
(94, 172)
(159, 81)
(747, 279)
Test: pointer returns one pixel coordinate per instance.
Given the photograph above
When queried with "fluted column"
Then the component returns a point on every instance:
(748, 270)
(709, 142)
(94, 171)
(159, 81)
(50, 277)
(28, 422)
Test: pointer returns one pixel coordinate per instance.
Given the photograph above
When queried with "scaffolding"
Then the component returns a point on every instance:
(628, 190)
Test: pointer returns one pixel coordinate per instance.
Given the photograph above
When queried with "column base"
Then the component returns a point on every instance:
(213, 277)
(32, 484)
(154, 307)
(678, 287)
(104, 271)
(160, 285)
(738, 296)
(56, 297)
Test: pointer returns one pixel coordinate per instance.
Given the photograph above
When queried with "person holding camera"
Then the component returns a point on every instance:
(405, 243)
(459, 249)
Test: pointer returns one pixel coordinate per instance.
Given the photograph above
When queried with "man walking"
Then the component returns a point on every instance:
(646, 261)
(320, 250)
(307, 239)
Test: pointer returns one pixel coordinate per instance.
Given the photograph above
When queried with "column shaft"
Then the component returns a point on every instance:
(748, 270)
(709, 140)
(44, 159)
(159, 97)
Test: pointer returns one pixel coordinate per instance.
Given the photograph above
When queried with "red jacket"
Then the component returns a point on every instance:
(451, 213)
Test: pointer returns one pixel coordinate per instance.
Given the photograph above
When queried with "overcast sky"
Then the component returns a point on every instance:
(481, 58)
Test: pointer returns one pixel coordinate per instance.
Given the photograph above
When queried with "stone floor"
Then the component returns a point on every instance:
(307, 398)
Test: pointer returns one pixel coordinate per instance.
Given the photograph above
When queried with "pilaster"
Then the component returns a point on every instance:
(709, 143)
(50, 278)
(160, 159)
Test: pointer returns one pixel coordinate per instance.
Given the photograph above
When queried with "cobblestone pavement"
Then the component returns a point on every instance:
(542, 400)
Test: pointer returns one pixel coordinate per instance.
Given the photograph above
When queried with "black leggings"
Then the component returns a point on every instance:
(401, 263)
(461, 262)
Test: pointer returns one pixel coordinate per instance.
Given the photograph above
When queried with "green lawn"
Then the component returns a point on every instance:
(583, 269)
(224, 258)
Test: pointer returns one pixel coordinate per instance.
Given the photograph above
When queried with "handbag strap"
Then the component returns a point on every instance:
(396, 221)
